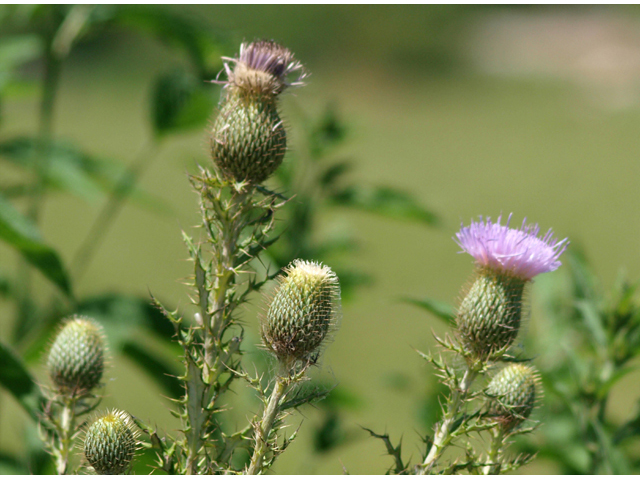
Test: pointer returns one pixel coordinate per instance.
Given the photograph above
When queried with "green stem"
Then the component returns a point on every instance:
(263, 432)
(493, 466)
(443, 434)
(66, 433)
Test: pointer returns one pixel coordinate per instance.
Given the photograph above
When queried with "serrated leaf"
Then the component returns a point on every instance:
(19, 232)
(593, 322)
(180, 101)
(15, 378)
(442, 310)
(385, 201)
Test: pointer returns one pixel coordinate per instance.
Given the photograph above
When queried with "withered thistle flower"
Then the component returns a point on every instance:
(248, 139)
(489, 316)
(513, 392)
(77, 355)
(304, 309)
(110, 443)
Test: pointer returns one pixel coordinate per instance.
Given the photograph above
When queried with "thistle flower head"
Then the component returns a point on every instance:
(110, 442)
(515, 252)
(304, 308)
(512, 393)
(77, 355)
(263, 67)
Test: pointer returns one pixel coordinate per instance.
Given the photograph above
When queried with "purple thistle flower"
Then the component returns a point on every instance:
(517, 252)
(263, 65)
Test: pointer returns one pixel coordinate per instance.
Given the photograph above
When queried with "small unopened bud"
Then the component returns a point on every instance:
(305, 307)
(111, 442)
(513, 395)
(248, 138)
(76, 358)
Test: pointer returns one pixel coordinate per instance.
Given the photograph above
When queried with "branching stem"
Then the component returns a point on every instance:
(443, 434)
(264, 431)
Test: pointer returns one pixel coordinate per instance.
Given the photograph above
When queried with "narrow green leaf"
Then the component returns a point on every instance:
(161, 371)
(442, 310)
(593, 322)
(19, 232)
(385, 201)
(15, 377)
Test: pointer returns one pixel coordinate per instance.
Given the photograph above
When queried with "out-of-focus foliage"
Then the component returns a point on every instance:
(588, 341)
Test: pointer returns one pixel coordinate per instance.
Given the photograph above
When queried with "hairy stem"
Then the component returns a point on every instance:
(263, 432)
(443, 434)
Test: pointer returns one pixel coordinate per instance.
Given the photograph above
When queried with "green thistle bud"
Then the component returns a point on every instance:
(304, 308)
(489, 316)
(248, 138)
(513, 395)
(76, 358)
(110, 443)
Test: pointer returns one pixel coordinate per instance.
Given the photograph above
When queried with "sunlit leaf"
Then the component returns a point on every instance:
(19, 232)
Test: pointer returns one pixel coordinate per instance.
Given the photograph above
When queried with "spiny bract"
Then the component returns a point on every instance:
(110, 443)
(489, 316)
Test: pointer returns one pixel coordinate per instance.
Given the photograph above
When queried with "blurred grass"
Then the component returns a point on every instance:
(421, 120)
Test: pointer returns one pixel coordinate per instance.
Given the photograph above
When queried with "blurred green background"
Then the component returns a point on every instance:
(472, 110)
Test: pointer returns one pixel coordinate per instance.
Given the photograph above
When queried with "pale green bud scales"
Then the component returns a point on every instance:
(305, 307)
(77, 355)
(110, 443)
(513, 395)
(489, 316)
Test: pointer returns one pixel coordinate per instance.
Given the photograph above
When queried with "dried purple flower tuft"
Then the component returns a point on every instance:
(263, 67)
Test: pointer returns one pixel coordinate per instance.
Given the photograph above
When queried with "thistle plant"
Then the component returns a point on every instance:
(110, 443)
(487, 323)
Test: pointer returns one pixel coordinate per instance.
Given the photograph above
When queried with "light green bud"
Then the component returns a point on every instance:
(512, 393)
(76, 358)
(304, 309)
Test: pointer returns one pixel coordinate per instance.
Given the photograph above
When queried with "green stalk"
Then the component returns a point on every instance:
(264, 431)
(65, 435)
(443, 435)
(497, 438)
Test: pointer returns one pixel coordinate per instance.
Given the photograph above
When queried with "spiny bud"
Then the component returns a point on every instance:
(248, 138)
(513, 395)
(305, 306)
(489, 316)
(76, 358)
(110, 443)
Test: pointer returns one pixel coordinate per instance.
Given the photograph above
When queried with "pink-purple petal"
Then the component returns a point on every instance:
(519, 252)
